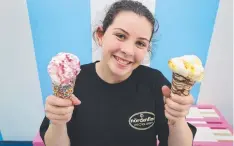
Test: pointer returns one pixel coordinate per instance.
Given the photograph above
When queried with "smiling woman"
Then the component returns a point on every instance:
(124, 97)
(123, 47)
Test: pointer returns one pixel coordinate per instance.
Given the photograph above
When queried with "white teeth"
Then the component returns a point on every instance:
(122, 61)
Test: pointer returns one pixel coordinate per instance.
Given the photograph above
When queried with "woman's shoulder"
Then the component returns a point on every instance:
(87, 66)
(152, 75)
(148, 72)
(86, 71)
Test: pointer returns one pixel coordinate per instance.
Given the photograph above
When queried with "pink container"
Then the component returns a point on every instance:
(213, 135)
(212, 128)
(206, 112)
(38, 141)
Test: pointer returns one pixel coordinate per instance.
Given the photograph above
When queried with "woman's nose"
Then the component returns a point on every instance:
(128, 49)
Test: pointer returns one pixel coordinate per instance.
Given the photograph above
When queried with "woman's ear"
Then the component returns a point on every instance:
(99, 35)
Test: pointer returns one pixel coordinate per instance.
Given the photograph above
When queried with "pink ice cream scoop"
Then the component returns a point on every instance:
(63, 70)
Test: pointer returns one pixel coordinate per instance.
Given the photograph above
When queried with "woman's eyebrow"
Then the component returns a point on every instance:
(122, 30)
(141, 38)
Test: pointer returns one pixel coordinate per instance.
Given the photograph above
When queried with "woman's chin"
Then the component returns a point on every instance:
(120, 72)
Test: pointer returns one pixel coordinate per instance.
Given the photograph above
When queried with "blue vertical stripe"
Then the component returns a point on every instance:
(59, 25)
(186, 27)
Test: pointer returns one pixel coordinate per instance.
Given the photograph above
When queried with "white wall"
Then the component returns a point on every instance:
(217, 87)
(21, 106)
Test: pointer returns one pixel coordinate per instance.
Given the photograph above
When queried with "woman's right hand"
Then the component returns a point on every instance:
(59, 110)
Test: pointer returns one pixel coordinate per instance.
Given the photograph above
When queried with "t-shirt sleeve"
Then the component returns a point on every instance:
(162, 128)
(164, 81)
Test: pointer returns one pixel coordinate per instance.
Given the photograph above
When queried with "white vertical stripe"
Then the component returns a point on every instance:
(21, 107)
(98, 10)
(217, 86)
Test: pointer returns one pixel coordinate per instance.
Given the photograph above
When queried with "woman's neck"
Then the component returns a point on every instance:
(105, 74)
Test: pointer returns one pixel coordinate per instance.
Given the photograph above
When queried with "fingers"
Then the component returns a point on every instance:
(176, 106)
(65, 117)
(58, 110)
(56, 101)
(172, 119)
(75, 100)
(183, 100)
(168, 116)
(166, 91)
(175, 113)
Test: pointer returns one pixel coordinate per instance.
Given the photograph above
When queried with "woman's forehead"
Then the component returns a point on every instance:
(132, 23)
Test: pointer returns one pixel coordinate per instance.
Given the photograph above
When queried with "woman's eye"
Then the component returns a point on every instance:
(141, 44)
(120, 36)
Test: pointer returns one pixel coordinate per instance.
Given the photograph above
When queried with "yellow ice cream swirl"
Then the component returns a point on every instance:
(189, 66)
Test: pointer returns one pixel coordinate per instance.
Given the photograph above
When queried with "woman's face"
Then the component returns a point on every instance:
(125, 43)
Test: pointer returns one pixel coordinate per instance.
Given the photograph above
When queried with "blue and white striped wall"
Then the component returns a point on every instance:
(40, 29)
(185, 28)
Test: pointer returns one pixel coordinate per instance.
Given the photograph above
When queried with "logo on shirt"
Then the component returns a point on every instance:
(142, 120)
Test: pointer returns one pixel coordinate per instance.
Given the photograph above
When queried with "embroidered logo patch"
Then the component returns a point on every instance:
(142, 120)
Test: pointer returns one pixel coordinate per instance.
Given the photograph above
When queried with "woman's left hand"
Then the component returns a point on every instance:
(176, 107)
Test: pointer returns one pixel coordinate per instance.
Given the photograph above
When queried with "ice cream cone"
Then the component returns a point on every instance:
(180, 86)
(186, 71)
(63, 70)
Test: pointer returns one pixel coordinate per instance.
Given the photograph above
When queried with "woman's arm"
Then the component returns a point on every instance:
(180, 134)
(59, 112)
(175, 108)
(56, 135)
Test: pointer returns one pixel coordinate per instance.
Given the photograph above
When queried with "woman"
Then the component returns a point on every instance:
(123, 102)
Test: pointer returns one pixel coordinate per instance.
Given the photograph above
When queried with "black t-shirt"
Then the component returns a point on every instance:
(130, 113)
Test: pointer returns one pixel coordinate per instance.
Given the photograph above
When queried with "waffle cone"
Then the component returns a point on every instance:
(63, 91)
(181, 85)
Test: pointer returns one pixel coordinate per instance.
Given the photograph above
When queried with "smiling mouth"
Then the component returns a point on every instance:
(122, 61)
